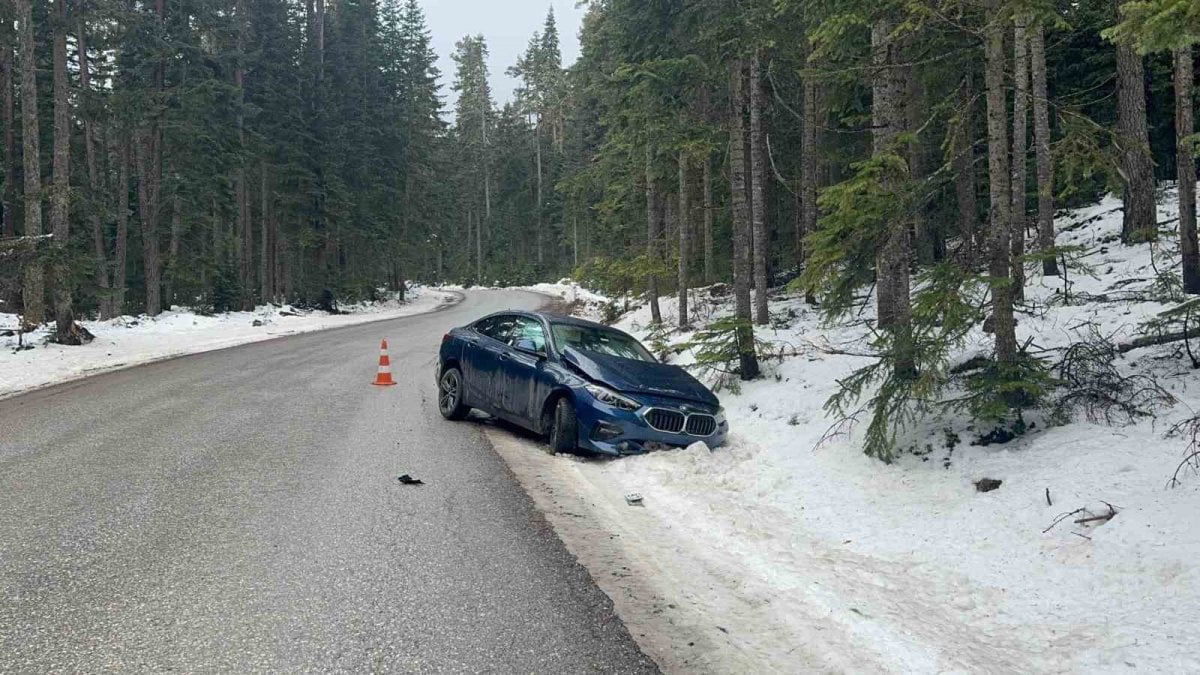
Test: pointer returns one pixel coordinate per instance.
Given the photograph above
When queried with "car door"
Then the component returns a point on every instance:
(483, 378)
(522, 370)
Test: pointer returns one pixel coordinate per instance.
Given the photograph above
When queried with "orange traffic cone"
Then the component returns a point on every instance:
(384, 377)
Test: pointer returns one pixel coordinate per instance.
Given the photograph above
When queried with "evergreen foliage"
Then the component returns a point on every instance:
(233, 152)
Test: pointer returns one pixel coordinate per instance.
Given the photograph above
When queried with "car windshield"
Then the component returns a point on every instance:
(600, 340)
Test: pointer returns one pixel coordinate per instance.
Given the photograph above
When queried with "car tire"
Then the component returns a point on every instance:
(450, 391)
(564, 427)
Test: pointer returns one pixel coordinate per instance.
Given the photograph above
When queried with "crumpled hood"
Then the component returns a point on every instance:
(640, 377)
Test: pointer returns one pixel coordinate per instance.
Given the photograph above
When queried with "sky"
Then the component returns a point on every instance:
(507, 25)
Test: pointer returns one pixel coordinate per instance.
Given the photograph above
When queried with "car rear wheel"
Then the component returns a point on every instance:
(564, 427)
(450, 395)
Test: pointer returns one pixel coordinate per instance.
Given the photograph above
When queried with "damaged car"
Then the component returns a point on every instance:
(581, 384)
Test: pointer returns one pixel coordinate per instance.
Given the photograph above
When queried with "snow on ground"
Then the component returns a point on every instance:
(800, 552)
(128, 340)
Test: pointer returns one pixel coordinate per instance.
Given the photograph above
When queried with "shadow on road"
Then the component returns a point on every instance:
(536, 441)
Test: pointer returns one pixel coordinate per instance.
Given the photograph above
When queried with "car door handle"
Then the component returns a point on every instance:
(503, 356)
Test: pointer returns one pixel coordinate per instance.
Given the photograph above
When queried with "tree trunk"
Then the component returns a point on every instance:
(685, 252)
(653, 220)
(148, 156)
(894, 256)
(60, 200)
(121, 245)
(758, 186)
(1041, 141)
(1137, 170)
(1186, 168)
(1020, 151)
(537, 142)
(964, 175)
(241, 189)
(11, 157)
(478, 249)
(96, 197)
(741, 223)
(173, 251)
(149, 163)
(926, 243)
(709, 261)
(809, 170)
(34, 290)
(999, 182)
(278, 293)
(266, 247)
(470, 249)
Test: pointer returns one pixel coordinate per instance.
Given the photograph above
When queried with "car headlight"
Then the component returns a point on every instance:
(609, 397)
(720, 416)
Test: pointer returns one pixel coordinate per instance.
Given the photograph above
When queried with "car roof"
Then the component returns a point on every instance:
(552, 318)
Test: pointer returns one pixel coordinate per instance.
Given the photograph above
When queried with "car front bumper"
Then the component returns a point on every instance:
(608, 430)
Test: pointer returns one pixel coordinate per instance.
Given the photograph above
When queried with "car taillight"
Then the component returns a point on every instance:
(446, 337)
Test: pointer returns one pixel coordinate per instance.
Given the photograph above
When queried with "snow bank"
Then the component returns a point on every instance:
(128, 341)
(908, 565)
(578, 300)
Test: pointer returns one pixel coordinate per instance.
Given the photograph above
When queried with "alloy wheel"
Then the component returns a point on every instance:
(448, 398)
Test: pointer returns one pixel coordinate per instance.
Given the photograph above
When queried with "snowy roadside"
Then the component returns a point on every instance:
(789, 550)
(129, 341)
(572, 297)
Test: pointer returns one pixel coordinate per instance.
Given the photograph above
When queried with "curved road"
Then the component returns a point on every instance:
(239, 511)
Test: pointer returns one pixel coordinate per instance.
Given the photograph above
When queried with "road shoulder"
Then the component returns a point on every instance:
(680, 606)
(23, 372)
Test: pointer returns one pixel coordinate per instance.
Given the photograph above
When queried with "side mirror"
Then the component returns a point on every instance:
(529, 347)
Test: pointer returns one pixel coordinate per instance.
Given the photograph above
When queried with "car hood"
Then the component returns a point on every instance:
(640, 377)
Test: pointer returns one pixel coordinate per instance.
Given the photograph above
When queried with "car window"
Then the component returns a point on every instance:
(496, 327)
(599, 340)
(531, 330)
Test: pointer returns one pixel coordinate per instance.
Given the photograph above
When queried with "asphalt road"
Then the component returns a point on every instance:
(239, 511)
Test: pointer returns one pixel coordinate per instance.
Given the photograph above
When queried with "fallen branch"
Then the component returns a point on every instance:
(1191, 461)
(1152, 340)
(823, 345)
(1061, 518)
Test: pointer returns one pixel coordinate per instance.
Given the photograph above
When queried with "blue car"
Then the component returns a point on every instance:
(584, 385)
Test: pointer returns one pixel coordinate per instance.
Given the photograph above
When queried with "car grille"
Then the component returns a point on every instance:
(669, 421)
(674, 422)
(701, 425)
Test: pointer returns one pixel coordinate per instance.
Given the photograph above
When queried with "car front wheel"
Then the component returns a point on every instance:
(450, 388)
(564, 428)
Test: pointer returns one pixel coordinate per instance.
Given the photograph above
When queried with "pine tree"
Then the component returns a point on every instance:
(60, 200)
(1185, 164)
(33, 294)
(758, 188)
(1020, 150)
(684, 228)
(474, 122)
(999, 181)
(1137, 172)
(963, 164)
(1041, 134)
(892, 260)
(739, 76)
(8, 226)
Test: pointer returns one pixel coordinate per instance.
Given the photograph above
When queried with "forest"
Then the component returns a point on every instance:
(910, 154)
